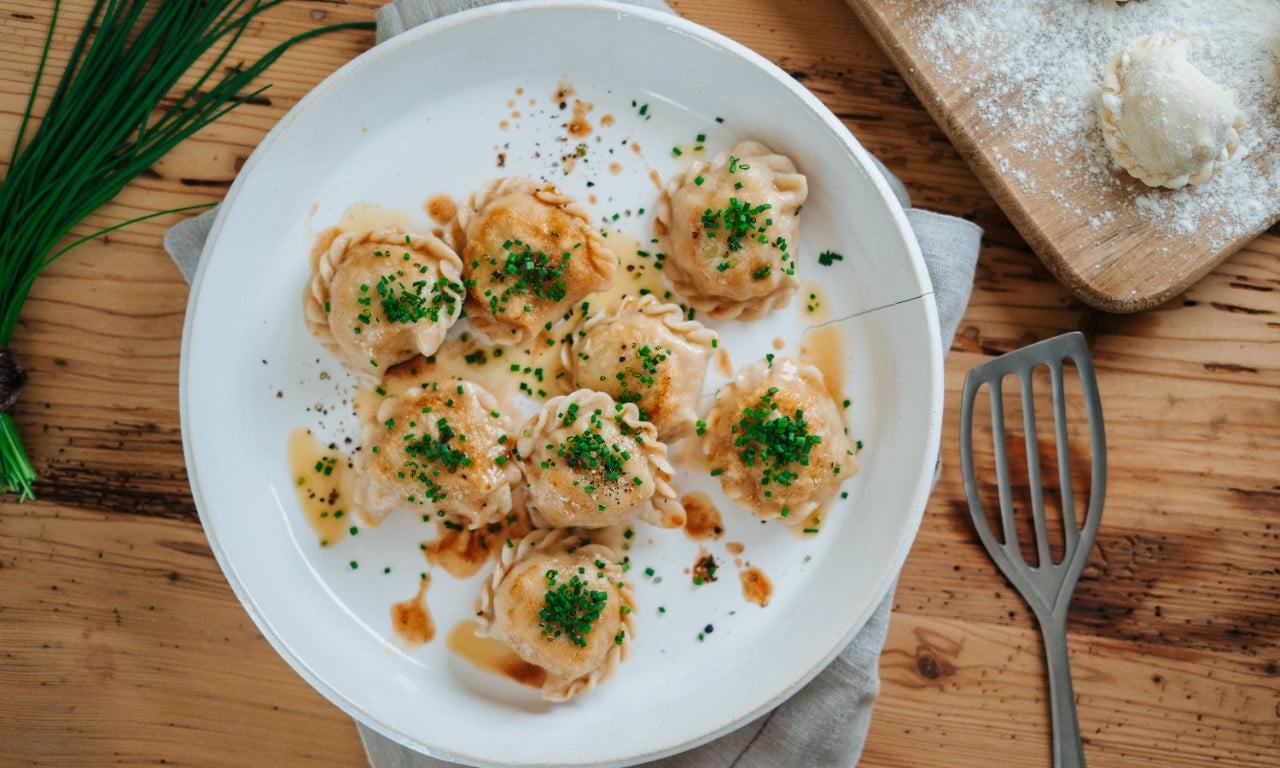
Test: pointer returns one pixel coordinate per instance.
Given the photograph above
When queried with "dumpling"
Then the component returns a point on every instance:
(379, 298)
(559, 602)
(646, 353)
(445, 447)
(776, 439)
(529, 253)
(1163, 120)
(591, 462)
(729, 232)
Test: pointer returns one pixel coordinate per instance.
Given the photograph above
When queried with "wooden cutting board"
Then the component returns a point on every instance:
(1014, 83)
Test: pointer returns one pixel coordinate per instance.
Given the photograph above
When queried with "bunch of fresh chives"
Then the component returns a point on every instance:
(115, 112)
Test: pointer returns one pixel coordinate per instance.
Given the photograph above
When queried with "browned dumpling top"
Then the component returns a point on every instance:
(529, 252)
(443, 447)
(777, 440)
(591, 462)
(559, 602)
(729, 230)
(379, 298)
(646, 353)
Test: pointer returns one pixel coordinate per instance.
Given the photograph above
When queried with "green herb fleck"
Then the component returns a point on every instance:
(570, 608)
(773, 441)
(525, 272)
(740, 221)
(430, 455)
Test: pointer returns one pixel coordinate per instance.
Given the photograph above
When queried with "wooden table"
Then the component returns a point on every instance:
(120, 641)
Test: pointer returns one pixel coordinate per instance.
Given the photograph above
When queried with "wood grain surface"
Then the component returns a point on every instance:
(121, 643)
(1099, 240)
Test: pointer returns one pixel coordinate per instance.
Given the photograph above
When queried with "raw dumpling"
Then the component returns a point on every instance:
(777, 440)
(379, 298)
(591, 462)
(529, 253)
(646, 353)
(440, 446)
(729, 232)
(1163, 120)
(559, 602)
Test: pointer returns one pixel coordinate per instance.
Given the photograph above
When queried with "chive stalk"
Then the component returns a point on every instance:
(116, 110)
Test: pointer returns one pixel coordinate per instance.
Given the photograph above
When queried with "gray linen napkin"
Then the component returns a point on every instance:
(825, 723)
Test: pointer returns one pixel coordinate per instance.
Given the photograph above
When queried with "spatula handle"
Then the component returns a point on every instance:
(1068, 752)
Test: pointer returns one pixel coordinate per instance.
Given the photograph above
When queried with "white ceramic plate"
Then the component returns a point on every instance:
(424, 114)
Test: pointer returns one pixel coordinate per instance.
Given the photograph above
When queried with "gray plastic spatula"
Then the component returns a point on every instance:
(1047, 585)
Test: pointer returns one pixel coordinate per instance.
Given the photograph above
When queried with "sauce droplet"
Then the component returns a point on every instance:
(704, 568)
(441, 208)
(411, 621)
(579, 126)
(702, 519)
(756, 587)
(563, 91)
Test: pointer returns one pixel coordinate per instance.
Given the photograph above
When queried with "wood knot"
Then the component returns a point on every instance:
(12, 380)
(930, 667)
(932, 656)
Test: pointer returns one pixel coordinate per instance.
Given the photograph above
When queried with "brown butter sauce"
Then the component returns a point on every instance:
(368, 217)
(823, 347)
(578, 126)
(411, 621)
(493, 656)
(704, 568)
(462, 553)
(441, 208)
(323, 240)
(756, 587)
(325, 499)
(702, 519)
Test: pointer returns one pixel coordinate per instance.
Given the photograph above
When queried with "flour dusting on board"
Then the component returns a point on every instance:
(1034, 69)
